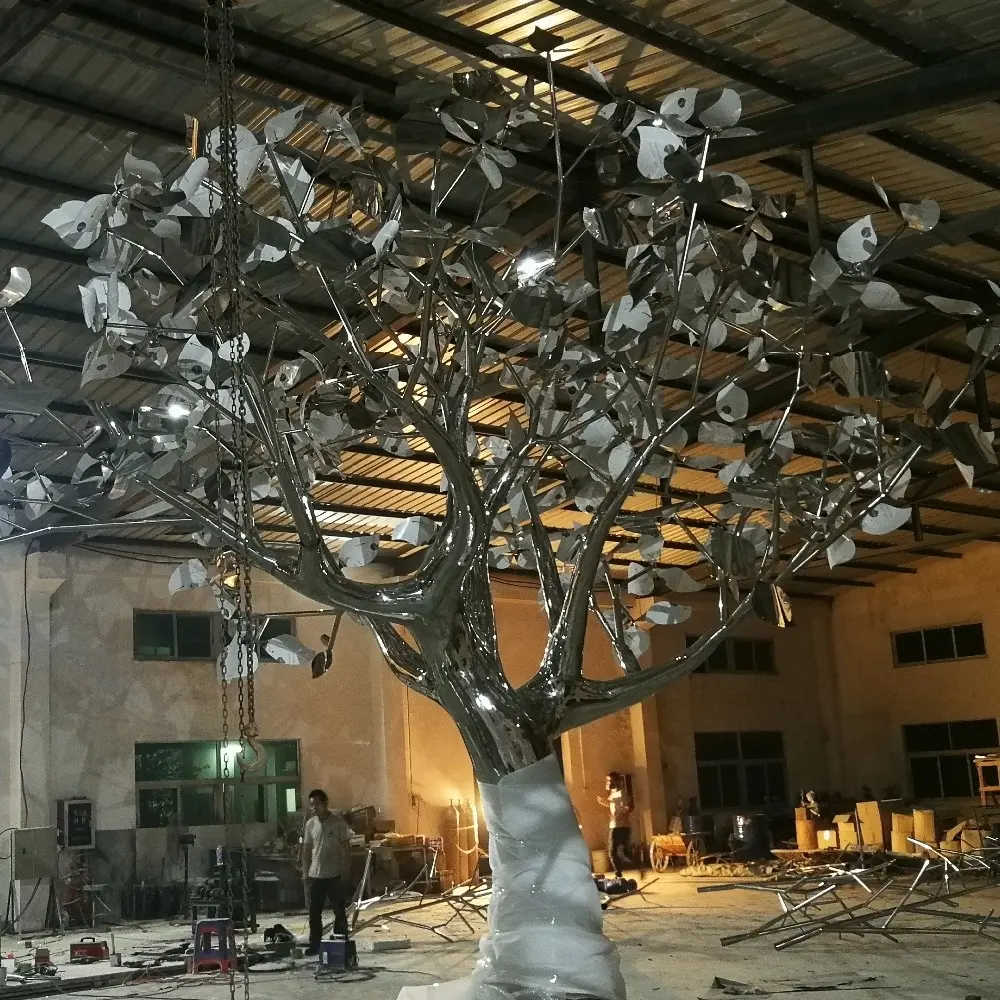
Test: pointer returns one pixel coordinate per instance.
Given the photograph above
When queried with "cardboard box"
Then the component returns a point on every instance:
(827, 840)
(875, 820)
(925, 826)
(903, 823)
(901, 843)
(847, 834)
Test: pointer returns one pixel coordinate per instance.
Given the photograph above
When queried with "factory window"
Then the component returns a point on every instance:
(172, 635)
(738, 656)
(199, 784)
(941, 756)
(937, 645)
(739, 770)
(184, 635)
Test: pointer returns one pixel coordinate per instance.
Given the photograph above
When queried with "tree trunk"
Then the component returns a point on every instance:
(545, 938)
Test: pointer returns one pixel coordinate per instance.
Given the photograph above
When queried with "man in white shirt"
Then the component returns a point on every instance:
(325, 863)
(619, 806)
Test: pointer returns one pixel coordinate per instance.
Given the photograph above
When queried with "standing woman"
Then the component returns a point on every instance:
(619, 806)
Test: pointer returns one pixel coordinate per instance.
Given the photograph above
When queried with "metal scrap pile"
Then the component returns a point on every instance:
(861, 894)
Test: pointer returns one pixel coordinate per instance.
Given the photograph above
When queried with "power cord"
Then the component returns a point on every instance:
(24, 685)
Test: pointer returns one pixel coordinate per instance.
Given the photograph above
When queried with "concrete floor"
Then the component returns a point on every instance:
(669, 943)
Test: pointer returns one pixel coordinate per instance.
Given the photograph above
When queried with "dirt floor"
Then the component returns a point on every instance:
(669, 943)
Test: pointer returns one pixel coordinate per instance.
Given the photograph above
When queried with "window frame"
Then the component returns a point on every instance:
(223, 787)
(728, 646)
(175, 657)
(951, 752)
(217, 636)
(923, 642)
(740, 765)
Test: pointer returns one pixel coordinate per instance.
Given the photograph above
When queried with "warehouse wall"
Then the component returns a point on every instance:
(875, 698)
(796, 700)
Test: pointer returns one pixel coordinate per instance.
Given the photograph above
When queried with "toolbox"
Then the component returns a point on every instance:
(88, 949)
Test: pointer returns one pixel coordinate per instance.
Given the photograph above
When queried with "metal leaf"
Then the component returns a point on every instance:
(195, 360)
(100, 363)
(858, 241)
(415, 530)
(356, 552)
(288, 649)
(628, 314)
(862, 374)
(40, 494)
(189, 575)
(984, 339)
(78, 223)
(840, 550)
(880, 295)
(282, 125)
(732, 403)
(724, 113)
(637, 640)
(953, 307)
(680, 104)
(885, 518)
(922, 217)
(771, 604)
(641, 581)
(249, 153)
(18, 285)
(665, 613)
(655, 142)
(679, 580)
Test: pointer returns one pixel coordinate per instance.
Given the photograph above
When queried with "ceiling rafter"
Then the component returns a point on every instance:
(732, 65)
(969, 79)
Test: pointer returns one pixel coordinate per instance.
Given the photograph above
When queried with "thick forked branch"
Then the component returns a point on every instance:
(426, 593)
(404, 661)
(548, 573)
(595, 699)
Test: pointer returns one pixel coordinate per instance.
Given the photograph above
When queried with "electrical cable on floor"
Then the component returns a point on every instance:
(24, 685)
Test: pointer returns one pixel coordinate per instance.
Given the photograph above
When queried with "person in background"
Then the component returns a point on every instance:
(325, 857)
(619, 806)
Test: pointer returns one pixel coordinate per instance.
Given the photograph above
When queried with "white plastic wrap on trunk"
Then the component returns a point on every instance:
(545, 937)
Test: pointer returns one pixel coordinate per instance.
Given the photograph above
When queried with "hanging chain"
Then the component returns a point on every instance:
(230, 329)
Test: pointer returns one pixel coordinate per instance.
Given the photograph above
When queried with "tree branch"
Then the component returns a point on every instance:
(404, 661)
(548, 572)
(595, 699)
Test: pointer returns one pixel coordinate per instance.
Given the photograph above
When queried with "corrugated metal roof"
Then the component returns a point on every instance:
(119, 73)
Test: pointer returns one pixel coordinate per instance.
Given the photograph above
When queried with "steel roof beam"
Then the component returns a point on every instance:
(731, 64)
(871, 26)
(972, 78)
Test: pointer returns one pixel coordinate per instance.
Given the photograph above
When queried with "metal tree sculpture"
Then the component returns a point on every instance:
(440, 303)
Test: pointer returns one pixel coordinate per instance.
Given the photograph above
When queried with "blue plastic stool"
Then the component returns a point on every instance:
(339, 954)
(214, 947)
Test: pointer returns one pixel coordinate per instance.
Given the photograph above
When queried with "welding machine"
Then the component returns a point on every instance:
(338, 954)
(88, 949)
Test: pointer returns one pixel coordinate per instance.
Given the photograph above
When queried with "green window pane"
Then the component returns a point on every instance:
(288, 800)
(247, 803)
(198, 807)
(157, 807)
(194, 637)
(282, 759)
(159, 761)
(201, 761)
(153, 635)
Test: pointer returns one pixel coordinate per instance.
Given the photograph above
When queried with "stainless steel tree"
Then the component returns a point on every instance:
(686, 346)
